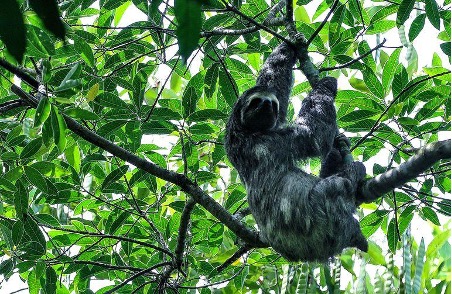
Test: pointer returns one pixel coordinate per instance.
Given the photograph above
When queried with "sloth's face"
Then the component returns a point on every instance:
(260, 112)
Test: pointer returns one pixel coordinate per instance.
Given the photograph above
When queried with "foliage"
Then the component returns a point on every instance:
(73, 214)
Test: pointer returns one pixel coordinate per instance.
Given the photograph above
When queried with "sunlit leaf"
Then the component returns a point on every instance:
(392, 236)
(416, 27)
(42, 111)
(432, 11)
(405, 8)
(188, 15)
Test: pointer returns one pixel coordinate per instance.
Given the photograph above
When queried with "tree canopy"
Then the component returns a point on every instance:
(114, 175)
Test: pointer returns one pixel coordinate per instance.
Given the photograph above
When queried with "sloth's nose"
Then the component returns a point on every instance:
(266, 103)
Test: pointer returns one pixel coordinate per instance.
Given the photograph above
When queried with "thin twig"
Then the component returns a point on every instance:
(135, 276)
(317, 31)
(106, 236)
(377, 122)
(347, 64)
(257, 24)
(242, 250)
(183, 230)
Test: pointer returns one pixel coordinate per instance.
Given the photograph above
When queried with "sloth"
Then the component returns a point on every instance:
(303, 217)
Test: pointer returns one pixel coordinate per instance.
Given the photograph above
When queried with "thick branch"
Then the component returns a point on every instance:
(19, 72)
(189, 187)
(183, 229)
(384, 183)
(9, 105)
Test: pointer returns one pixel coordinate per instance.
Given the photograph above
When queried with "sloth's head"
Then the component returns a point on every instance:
(259, 111)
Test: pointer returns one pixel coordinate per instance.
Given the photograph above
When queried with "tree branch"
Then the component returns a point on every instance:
(347, 64)
(9, 105)
(384, 183)
(254, 22)
(242, 250)
(183, 229)
(317, 31)
(107, 236)
(271, 20)
(135, 276)
(20, 73)
(186, 185)
(377, 122)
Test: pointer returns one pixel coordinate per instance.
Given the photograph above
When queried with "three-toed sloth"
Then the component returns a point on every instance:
(303, 217)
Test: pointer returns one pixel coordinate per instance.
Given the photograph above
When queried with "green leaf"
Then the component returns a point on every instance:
(42, 111)
(380, 27)
(31, 148)
(47, 219)
(6, 267)
(189, 100)
(14, 39)
(432, 10)
(416, 27)
(446, 48)
(437, 242)
(376, 254)
(47, 10)
(111, 100)
(384, 12)
(21, 200)
(405, 8)
(364, 48)
(389, 70)
(114, 176)
(392, 235)
(188, 15)
(85, 51)
(34, 244)
(211, 79)
(444, 73)
(33, 283)
(72, 155)
(51, 280)
(112, 4)
(335, 24)
(405, 218)
(7, 185)
(431, 215)
(206, 114)
(58, 129)
(114, 221)
(372, 83)
(70, 80)
(357, 115)
(228, 88)
(37, 180)
(419, 267)
(81, 113)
